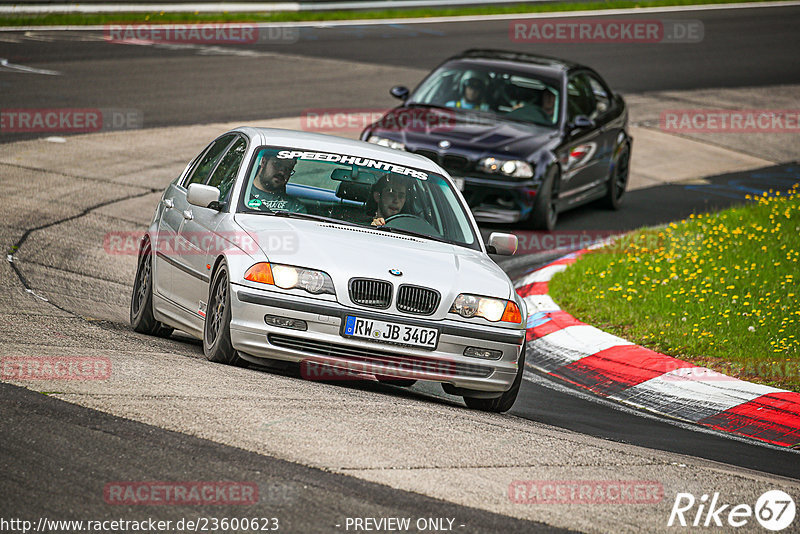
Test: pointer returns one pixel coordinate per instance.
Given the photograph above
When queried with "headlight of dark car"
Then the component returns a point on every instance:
(289, 277)
(383, 141)
(512, 168)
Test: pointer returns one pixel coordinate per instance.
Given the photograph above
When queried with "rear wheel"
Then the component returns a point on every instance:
(504, 402)
(217, 328)
(618, 180)
(141, 316)
(545, 208)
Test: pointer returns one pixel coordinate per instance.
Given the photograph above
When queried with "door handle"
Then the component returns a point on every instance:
(169, 203)
(187, 214)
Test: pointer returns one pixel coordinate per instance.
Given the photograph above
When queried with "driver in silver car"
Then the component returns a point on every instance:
(388, 198)
(269, 186)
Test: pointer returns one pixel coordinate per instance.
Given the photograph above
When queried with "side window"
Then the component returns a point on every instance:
(228, 168)
(579, 97)
(601, 97)
(200, 173)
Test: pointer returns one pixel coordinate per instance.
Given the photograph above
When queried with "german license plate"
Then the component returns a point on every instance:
(386, 332)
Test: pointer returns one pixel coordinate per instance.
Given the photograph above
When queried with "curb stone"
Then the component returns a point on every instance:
(611, 367)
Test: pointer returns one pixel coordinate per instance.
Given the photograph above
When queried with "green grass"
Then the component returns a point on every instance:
(160, 18)
(719, 290)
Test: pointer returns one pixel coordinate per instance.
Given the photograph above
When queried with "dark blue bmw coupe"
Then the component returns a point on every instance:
(524, 136)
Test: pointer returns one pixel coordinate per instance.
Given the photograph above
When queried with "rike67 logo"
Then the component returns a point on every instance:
(774, 510)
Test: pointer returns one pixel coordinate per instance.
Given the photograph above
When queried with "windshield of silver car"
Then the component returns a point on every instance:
(355, 190)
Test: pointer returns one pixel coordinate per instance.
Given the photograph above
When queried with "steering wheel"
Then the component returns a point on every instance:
(412, 223)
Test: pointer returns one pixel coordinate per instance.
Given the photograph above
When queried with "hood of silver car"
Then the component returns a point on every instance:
(346, 252)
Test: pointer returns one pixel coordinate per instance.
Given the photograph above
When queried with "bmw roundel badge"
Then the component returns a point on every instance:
(396, 272)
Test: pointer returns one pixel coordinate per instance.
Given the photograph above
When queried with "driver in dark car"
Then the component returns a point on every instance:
(549, 105)
(388, 198)
(473, 90)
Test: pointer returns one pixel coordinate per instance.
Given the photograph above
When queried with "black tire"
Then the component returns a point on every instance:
(504, 402)
(142, 319)
(618, 179)
(545, 211)
(217, 327)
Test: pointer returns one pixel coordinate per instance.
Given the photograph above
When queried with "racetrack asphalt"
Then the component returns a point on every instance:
(65, 264)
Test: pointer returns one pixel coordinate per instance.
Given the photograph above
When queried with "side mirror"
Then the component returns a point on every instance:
(581, 122)
(502, 244)
(203, 196)
(399, 91)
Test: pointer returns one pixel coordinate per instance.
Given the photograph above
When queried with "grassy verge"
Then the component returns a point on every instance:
(719, 290)
(167, 18)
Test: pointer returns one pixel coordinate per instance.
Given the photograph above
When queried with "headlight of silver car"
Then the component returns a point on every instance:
(512, 168)
(382, 141)
(490, 309)
(289, 277)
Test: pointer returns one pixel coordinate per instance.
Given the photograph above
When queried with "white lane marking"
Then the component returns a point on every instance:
(34, 36)
(583, 339)
(203, 50)
(540, 303)
(51, 36)
(639, 412)
(32, 292)
(542, 275)
(55, 139)
(681, 394)
(13, 67)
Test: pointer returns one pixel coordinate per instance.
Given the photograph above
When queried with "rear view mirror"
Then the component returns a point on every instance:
(399, 91)
(581, 122)
(502, 244)
(202, 195)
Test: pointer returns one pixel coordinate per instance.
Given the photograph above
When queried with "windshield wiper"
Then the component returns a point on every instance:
(394, 230)
(307, 216)
(431, 106)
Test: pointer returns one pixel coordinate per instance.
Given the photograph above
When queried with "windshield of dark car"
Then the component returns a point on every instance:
(508, 95)
(357, 191)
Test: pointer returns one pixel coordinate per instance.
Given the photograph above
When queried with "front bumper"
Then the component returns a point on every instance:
(499, 201)
(322, 342)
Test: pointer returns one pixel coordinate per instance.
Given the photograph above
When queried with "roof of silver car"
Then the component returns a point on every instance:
(332, 143)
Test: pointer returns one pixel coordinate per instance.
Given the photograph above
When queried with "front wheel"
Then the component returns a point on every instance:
(217, 328)
(504, 402)
(618, 179)
(545, 208)
(141, 315)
